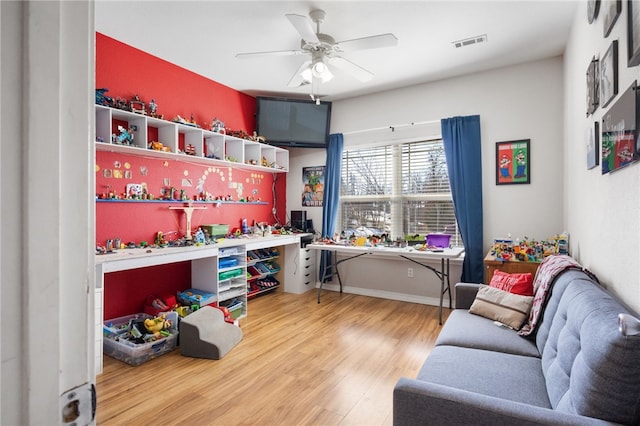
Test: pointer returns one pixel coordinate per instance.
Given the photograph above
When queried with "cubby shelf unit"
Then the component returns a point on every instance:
(261, 267)
(228, 150)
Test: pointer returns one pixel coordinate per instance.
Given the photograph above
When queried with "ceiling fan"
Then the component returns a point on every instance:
(325, 51)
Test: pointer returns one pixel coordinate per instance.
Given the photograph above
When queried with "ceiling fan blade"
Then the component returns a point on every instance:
(304, 27)
(372, 42)
(271, 53)
(296, 79)
(350, 68)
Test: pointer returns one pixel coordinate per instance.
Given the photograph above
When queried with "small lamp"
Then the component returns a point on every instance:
(628, 325)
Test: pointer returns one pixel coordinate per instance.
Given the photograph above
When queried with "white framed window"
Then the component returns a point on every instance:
(399, 190)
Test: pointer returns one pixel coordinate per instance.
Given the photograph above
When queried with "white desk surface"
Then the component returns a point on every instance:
(448, 253)
(127, 258)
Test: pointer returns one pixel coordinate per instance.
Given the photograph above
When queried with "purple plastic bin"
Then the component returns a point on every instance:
(438, 240)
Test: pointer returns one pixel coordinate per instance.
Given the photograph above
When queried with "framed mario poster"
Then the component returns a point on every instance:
(513, 162)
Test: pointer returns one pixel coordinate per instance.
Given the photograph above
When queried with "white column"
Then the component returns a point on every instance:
(47, 234)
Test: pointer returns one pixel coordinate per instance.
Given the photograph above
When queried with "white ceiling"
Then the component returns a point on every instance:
(205, 36)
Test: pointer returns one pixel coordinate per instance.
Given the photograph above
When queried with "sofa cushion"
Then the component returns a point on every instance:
(509, 309)
(506, 376)
(591, 369)
(513, 283)
(472, 331)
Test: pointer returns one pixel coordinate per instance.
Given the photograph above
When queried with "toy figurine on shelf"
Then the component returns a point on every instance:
(217, 126)
(137, 106)
(153, 109)
(102, 99)
(122, 104)
(257, 138)
(126, 135)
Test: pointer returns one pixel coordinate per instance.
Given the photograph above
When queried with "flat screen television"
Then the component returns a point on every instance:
(293, 122)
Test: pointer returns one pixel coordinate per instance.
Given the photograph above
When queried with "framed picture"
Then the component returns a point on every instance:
(513, 162)
(609, 74)
(633, 33)
(619, 129)
(593, 146)
(593, 86)
(592, 10)
(611, 9)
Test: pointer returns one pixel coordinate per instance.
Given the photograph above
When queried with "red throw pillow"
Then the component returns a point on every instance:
(513, 283)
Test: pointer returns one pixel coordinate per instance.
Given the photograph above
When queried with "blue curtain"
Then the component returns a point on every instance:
(332, 173)
(461, 137)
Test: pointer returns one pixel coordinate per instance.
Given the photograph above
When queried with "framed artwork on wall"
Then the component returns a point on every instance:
(593, 145)
(513, 162)
(609, 74)
(633, 33)
(593, 86)
(611, 10)
(619, 129)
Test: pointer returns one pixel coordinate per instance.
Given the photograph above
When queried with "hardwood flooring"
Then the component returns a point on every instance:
(299, 363)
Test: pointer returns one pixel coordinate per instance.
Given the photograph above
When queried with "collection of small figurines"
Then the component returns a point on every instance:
(190, 122)
(169, 193)
(138, 106)
(527, 250)
(135, 104)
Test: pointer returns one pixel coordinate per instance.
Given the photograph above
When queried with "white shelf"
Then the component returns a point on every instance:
(205, 276)
(210, 147)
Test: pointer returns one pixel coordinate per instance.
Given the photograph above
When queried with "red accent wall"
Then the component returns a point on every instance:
(139, 221)
(127, 71)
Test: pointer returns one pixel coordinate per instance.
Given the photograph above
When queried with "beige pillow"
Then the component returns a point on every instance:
(499, 305)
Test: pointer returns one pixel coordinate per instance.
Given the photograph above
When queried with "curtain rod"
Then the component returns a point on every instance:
(392, 127)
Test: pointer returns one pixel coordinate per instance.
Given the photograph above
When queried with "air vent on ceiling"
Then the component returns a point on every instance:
(469, 41)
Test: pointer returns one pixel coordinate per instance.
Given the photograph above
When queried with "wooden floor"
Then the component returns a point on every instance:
(333, 363)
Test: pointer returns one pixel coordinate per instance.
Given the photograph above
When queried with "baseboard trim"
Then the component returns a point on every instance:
(402, 297)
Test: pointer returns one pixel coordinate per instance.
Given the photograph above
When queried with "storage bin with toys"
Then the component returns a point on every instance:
(138, 338)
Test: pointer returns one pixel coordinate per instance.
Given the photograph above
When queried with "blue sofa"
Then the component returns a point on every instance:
(579, 369)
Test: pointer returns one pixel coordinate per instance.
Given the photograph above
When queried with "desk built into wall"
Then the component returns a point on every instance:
(204, 260)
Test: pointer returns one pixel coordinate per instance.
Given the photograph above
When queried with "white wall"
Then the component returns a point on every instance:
(602, 211)
(299, 158)
(518, 102)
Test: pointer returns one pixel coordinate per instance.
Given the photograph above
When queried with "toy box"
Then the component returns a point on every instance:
(438, 240)
(216, 230)
(193, 296)
(116, 346)
(227, 262)
(222, 276)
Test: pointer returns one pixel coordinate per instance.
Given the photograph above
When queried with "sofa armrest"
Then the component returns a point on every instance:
(416, 402)
(466, 294)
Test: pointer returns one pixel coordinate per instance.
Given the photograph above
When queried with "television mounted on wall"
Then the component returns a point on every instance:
(293, 122)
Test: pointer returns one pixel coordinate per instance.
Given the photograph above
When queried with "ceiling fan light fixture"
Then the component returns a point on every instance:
(320, 70)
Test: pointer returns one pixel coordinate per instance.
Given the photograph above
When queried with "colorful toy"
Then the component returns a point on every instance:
(157, 325)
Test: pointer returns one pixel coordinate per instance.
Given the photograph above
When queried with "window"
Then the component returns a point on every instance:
(399, 190)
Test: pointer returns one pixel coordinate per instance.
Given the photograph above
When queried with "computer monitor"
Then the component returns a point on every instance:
(299, 220)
